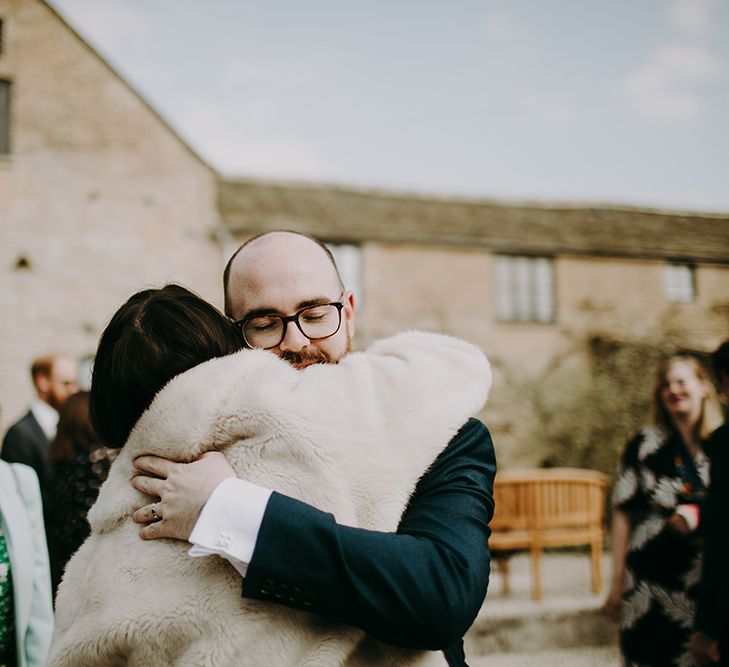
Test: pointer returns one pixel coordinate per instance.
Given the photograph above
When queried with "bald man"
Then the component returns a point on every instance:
(420, 587)
(28, 440)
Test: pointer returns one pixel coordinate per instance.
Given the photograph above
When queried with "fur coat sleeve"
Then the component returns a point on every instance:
(351, 438)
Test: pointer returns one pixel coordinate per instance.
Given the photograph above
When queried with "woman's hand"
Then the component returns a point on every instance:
(182, 489)
(678, 524)
(611, 606)
(704, 649)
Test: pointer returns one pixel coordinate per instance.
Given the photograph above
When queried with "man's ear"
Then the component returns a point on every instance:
(349, 308)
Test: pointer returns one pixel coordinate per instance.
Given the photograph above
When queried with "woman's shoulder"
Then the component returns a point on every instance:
(644, 442)
(23, 480)
(24, 475)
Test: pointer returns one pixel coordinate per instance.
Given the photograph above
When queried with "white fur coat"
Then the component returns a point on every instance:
(351, 438)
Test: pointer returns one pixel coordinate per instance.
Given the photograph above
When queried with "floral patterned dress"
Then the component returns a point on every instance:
(663, 567)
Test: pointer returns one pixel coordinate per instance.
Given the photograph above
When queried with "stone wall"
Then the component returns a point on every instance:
(98, 199)
(539, 368)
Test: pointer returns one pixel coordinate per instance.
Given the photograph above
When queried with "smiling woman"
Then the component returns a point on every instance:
(658, 495)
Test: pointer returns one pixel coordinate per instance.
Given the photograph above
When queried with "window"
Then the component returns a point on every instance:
(680, 282)
(524, 288)
(348, 258)
(4, 117)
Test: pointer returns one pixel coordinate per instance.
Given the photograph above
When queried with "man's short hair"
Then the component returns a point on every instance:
(226, 272)
(42, 366)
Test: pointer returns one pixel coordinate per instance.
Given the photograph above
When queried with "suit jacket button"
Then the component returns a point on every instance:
(309, 598)
(280, 594)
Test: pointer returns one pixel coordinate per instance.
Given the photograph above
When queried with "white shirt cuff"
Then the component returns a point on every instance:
(229, 522)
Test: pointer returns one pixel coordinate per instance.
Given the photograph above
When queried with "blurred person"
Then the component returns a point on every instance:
(710, 641)
(418, 586)
(26, 615)
(28, 440)
(352, 438)
(657, 500)
(79, 464)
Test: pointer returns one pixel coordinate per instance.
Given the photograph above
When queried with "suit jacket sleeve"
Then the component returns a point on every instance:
(712, 608)
(420, 587)
(20, 446)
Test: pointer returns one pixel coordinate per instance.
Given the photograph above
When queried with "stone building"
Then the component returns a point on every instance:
(557, 296)
(100, 197)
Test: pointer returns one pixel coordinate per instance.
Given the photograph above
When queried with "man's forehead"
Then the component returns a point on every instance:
(282, 275)
(65, 368)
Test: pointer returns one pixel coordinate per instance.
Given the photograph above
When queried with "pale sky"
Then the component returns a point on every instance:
(604, 101)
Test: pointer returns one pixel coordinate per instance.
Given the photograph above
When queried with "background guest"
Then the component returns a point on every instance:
(26, 615)
(79, 464)
(710, 642)
(660, 487)
(28, 440)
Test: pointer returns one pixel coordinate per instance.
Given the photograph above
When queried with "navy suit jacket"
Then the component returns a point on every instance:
(420, 587)
(25, 442)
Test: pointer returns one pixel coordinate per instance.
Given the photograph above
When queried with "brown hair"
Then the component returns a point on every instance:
(711, 415)
(156, 335)
(75, 433)
(228, 266)
(42, 366)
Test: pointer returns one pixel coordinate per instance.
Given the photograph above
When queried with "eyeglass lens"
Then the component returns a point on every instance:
(315, 323)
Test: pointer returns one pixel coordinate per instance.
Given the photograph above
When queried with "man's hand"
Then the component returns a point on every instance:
(704, 649)
(182, 489)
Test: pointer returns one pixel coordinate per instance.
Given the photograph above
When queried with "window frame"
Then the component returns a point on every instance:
(6, 95)
(679, 281)
(521, 293)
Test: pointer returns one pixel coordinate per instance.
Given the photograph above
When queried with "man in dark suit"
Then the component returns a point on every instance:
(420, 587)
(710, 641)
(28, 440)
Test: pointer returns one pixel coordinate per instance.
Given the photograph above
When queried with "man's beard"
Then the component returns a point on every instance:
(311, 354)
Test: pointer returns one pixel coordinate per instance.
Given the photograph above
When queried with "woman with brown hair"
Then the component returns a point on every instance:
(657, 500)
(352, 438)
(79, 464)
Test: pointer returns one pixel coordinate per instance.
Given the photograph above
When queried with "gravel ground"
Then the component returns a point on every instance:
(575, 657)
(567, 599)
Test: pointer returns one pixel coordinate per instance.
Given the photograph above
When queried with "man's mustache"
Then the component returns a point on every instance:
(306, 356)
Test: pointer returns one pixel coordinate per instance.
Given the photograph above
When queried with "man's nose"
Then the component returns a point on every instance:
(293, 340)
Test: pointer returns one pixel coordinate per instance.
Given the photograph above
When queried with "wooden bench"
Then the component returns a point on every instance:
(549, 507)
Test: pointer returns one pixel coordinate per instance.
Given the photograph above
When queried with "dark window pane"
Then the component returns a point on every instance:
(4, 116)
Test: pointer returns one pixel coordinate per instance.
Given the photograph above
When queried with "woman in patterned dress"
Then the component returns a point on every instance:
(661, 483)
(79, 464)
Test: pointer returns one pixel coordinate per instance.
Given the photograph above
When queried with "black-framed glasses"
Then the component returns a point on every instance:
(315, 322)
